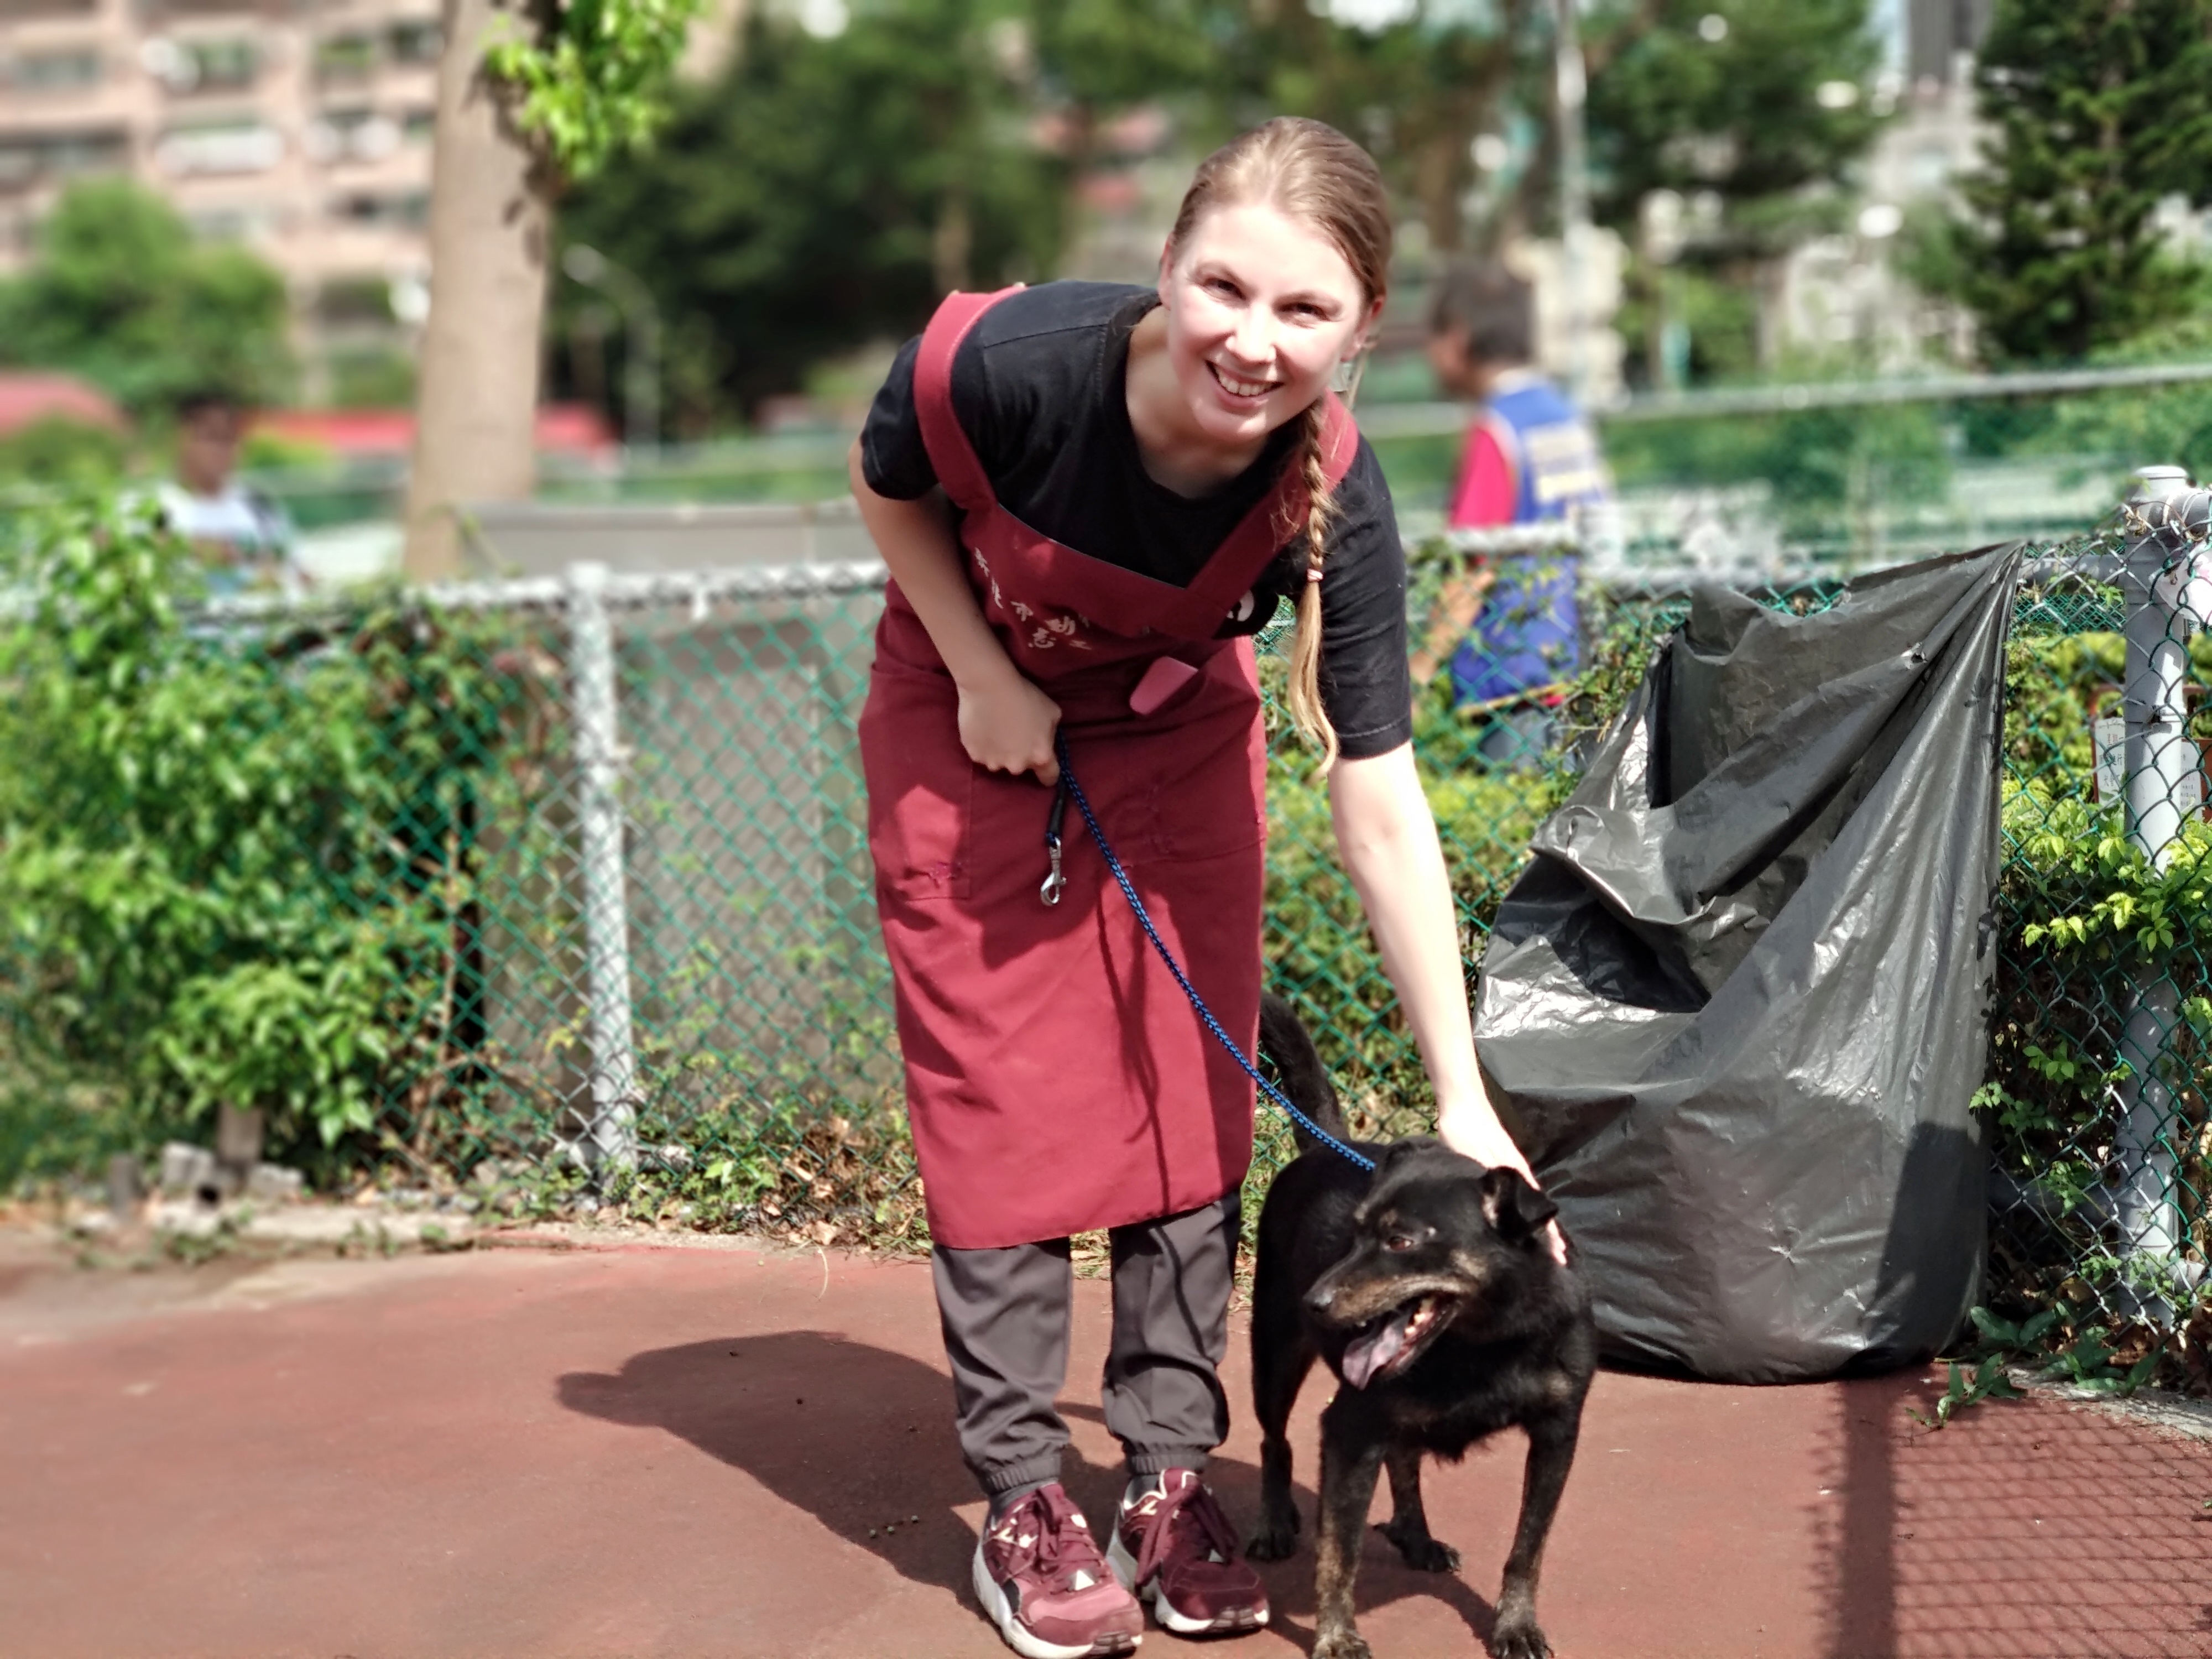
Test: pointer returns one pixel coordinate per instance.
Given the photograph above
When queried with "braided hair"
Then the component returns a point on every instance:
(1313, 173)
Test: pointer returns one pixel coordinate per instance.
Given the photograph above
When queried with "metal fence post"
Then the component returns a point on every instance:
(2161, 773)
(612, 1140)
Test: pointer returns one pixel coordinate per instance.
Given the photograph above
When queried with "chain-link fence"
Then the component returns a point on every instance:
(1858, 472)
(561, 888)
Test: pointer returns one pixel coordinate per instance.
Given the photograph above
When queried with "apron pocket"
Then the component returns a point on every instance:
(920, 784)
(919, 837)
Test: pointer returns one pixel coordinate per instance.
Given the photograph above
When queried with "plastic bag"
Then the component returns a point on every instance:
(1734, 1012)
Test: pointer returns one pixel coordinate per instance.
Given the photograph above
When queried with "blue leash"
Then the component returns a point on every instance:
(1069, 787)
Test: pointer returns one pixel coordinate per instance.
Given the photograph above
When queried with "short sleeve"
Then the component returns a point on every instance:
(893, 457)
(1366, 687)
(1486, 488)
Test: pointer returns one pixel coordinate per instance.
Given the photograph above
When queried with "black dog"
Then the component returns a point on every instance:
(1430, 1288)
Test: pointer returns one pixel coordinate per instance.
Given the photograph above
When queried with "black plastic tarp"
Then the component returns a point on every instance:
(1734, 1009)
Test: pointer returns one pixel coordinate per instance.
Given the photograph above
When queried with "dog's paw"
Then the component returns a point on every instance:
(1344, 1642)
(1518, 1639)
(1275, 1542)
(1420, 1552)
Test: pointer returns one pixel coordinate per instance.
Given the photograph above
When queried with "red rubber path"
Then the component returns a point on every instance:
(650, 1451)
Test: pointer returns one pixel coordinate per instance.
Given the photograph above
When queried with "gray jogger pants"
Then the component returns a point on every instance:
(1005, 1316)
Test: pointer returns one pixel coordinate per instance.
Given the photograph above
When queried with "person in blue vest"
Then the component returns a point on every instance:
(1507, 629)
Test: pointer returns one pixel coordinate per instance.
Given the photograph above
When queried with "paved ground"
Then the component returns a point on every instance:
(642, 1451)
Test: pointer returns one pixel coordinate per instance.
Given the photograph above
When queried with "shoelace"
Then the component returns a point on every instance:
(1197, 1502)
(1061, 1549)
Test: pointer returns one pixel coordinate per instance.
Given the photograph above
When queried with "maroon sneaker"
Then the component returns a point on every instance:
(1044, 1584)
(1174, 1548)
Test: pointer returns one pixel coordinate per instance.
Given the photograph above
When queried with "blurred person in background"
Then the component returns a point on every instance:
(1508, 628)
(245, 538)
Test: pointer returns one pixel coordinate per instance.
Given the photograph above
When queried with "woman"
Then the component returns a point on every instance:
(1089, 497)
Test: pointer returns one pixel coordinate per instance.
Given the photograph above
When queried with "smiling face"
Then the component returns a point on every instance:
(1260, 308)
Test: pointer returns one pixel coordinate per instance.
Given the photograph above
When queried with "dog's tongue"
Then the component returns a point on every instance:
(1374, 1350)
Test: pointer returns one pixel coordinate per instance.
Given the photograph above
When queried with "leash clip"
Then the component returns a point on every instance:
(1055, 883)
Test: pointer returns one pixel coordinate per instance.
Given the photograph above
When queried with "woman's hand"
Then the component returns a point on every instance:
(1471, 1129)
(1007, 725)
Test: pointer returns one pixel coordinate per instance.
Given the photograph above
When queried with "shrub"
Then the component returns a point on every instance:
(233, 867)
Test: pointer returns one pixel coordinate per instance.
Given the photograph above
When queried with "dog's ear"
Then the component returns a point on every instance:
(1514, 1209)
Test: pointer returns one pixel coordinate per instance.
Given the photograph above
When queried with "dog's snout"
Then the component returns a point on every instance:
(1321, 1298)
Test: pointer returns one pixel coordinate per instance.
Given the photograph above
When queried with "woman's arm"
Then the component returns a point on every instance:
(1007, 724)
(1388, 839)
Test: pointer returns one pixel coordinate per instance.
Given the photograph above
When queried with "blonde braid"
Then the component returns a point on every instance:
(1306, 711)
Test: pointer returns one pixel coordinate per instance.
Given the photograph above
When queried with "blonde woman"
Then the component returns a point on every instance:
(1089, 497)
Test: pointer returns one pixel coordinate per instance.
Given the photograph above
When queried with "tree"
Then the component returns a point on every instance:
(1727, 96)
(2100, 108)
(119, 292)
(827, 191)
(1415, 81)
(531, 96)
(1750, 114)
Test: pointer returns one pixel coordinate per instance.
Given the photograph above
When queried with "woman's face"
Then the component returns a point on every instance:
(1260, 309)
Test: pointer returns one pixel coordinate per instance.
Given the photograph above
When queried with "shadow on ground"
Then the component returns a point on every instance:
(860, 1439)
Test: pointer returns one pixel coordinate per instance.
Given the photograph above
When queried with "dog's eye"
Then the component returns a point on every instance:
(1397, 1243)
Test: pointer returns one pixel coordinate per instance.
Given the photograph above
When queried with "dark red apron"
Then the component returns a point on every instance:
(1057, 1078)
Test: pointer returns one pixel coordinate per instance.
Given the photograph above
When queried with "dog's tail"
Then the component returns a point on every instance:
(1298, 1071)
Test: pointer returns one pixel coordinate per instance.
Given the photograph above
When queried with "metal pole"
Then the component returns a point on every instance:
(1570, 86)
(2161, 765)
(612, 1141)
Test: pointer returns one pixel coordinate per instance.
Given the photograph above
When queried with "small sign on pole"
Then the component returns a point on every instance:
(2111, 739)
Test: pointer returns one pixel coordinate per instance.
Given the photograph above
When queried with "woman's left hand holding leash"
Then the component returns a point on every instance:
(1007, 725)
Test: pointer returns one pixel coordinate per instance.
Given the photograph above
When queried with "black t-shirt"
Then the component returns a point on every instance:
(1038, 387)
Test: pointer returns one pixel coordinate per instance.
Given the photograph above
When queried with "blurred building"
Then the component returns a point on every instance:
(299, 127)
(1843, 292)
(1937, 39)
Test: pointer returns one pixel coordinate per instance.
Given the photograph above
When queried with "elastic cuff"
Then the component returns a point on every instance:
(1158, 1460)
(1029, 1472)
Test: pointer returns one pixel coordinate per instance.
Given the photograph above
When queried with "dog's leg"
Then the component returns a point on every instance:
(1551, 1454)
(1408, 1526)
(1350, 1458)
(1281, 1357)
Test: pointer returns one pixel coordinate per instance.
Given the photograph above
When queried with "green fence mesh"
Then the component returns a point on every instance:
(438, 777)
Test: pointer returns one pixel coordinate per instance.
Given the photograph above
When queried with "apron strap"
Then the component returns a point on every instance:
(1276, 520)
(950, 453)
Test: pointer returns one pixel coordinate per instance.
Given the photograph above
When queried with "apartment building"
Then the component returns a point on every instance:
(299, 127)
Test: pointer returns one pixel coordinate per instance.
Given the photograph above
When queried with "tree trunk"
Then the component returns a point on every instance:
(489, 228)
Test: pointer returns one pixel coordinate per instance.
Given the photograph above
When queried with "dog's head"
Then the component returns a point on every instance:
(1438, 1240)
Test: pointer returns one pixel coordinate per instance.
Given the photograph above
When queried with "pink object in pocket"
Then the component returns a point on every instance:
(1162, 680)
